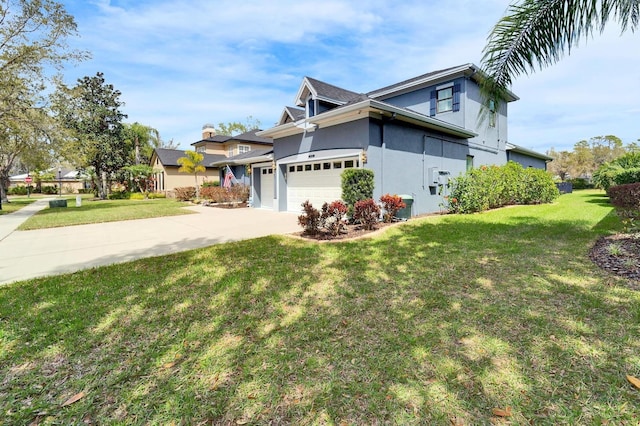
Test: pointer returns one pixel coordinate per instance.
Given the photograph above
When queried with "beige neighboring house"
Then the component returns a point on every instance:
(70, 179)
(215, 149)
(168, 178)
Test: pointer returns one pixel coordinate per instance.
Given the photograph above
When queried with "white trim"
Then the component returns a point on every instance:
(327, 154)
(444, 86)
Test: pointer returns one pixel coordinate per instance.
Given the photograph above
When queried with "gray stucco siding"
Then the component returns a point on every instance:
(420, 101)
(401, 165)
(526, 161)
(354, 134)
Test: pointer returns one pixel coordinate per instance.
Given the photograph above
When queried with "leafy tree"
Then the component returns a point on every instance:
(140, 178)
(140, 140)
(192, 163)
(33, 34)
(235, 127)
(561, 164)
(90, 111)
(535, 34)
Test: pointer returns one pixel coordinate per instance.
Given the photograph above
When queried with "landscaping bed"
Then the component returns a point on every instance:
(619, 254)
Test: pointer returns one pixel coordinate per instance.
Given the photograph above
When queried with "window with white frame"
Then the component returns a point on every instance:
(445, 99)
(243, 148)
(230, 151)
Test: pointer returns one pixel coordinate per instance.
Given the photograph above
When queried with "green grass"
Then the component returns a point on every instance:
(15, 204)
(97, 211)
(437, 321)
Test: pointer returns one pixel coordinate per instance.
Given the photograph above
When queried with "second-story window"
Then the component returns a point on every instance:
(243, 148)
(311, 107)
(201, 149)
(445, 99)
(230, 151)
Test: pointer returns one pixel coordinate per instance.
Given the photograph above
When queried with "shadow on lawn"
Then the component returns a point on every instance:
(432, 322)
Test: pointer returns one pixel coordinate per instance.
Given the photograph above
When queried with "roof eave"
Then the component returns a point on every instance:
(354, 111)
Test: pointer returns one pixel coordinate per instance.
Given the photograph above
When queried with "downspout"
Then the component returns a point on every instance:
(382, 148)
(424, 161)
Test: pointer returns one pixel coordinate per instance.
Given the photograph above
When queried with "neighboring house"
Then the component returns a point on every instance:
(216, 149)
(415, 135)
(70, 180)
(168, 178)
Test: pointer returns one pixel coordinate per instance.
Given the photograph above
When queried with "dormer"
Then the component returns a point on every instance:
(317, 97)
(291, 115)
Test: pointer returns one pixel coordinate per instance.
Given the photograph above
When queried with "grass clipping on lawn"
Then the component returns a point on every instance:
(494, 317)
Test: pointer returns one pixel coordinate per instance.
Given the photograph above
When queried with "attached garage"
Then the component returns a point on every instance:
(317, 181)
(266, 187)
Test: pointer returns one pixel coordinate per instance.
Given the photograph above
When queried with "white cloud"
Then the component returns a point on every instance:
(182, 63)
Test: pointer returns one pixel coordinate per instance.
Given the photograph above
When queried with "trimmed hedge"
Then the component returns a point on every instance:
(357, 185)
(490, 187)
(626, 199)
(627, 176)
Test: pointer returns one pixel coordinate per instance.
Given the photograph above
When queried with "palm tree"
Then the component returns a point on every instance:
(192, 163)
(536, 33)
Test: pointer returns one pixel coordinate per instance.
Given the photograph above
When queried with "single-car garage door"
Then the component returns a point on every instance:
(266, 187)
(319, 182)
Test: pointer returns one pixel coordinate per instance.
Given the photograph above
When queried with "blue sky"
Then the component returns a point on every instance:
(180, 64)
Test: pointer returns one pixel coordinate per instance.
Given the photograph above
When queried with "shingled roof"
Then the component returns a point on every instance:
(330, 91)
(169, 157)
(249, 136)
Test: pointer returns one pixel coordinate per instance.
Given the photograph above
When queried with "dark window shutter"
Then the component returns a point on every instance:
(434, 96)
(456, 97)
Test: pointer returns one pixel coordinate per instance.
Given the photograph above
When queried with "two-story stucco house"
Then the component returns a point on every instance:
(414, 135)
(216, 149)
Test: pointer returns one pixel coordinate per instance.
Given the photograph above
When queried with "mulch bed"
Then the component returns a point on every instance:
(618, 254)
(351, 232)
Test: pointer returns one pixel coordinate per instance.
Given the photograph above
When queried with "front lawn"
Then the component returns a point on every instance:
(15, 204)
(97, 211)
(444, 320)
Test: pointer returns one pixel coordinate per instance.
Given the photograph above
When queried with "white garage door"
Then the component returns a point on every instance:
(266, 187)
(319, 182)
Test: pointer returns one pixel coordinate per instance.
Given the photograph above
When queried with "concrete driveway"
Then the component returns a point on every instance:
(30, 254)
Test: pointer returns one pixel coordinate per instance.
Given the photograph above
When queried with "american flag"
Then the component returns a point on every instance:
(227, 178)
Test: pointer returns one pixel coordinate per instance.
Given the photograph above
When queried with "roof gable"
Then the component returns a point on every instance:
(323, 91)
(290, 114)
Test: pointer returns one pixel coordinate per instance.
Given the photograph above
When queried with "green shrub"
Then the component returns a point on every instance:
(210, 183)
(626, 199)
(119, 195)
(309, 219)
(154, 195)
(604, 177)
(20, 190)
(50, 190)
(185, 193)
(136, 196)
(626, 176)
(357, 184)
(489, 187)
(366, 213)
(580, 183)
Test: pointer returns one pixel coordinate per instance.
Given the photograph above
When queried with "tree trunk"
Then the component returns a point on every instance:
(197, 187)
(103, 185)
(4, 185)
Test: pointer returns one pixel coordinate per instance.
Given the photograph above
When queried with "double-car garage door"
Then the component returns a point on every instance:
(317, 181)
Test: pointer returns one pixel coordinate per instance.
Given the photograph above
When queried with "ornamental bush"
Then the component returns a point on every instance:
(489, 187)
(391, 205)
(366, 213)
(185, 193)
(357, 184)
(626, 199)
(309, 219)
(333, 217)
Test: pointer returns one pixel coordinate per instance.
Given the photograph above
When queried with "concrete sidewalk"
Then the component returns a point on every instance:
(11, 221)
(30, 254)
